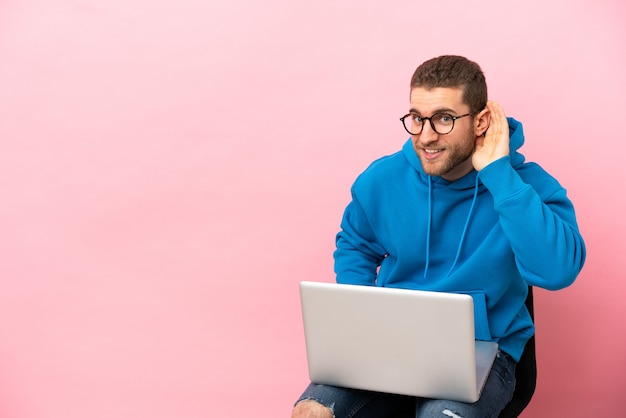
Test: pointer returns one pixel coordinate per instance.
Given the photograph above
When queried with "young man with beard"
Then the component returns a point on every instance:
(456, 210)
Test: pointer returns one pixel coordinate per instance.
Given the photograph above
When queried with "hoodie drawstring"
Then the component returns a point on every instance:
(467, 221)
(469, 215)
(430, 213)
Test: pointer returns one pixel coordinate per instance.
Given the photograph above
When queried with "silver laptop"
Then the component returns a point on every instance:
(407, 342)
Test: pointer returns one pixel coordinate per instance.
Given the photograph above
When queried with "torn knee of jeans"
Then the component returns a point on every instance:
(450, 414)
(331, 406)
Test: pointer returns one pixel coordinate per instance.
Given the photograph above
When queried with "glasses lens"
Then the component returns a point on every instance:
(443, 123)
(411, 125)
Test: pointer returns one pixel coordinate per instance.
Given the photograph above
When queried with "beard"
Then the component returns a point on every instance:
(457, 161)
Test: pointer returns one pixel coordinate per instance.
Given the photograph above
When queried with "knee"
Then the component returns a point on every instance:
(311, 409)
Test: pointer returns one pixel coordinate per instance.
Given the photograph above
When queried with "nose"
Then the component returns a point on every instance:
(428, 134)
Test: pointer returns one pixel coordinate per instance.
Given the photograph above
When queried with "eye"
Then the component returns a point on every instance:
(444, 118)
(416, 118)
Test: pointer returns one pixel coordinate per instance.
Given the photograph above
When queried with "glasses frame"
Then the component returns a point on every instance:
(430, 120)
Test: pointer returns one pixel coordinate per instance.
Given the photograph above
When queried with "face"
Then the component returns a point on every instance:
(450, 155)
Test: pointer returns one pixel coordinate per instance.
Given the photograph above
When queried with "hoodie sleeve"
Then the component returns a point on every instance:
(539, 222)
(358, 254)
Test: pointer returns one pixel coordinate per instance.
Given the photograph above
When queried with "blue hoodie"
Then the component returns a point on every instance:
(488, 234)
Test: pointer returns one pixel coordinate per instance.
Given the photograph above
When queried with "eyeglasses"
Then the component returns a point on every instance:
(442, 123)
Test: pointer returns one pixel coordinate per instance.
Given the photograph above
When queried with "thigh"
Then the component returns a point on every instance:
(497, 392)
(354, 403)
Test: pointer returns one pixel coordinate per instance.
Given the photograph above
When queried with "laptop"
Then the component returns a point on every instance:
(407, 342)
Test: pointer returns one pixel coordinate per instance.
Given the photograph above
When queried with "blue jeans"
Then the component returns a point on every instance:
(354, 403)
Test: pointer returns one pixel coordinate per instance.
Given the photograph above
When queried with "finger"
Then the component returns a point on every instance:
(504, 123)
(497, 111)
(494, 122)
(498, 118)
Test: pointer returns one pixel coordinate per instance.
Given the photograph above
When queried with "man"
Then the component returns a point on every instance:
(457, 209)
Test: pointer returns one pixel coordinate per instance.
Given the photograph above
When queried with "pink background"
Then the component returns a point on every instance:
(171, 170)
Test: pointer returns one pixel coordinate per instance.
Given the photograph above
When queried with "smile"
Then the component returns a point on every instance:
(429, 154)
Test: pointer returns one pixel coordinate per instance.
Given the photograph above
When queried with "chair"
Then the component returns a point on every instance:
(525, 373)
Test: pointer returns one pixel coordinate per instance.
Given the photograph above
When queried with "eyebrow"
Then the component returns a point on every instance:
(440, 110)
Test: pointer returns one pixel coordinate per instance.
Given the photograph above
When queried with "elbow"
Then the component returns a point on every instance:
(557, 283)
(558, 277)
(564, 274)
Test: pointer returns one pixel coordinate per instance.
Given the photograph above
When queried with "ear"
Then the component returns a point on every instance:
(481, 122)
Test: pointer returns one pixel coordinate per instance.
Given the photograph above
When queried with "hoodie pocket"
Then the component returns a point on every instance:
(481, 323)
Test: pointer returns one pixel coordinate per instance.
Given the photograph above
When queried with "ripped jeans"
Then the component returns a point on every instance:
(354, 403)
